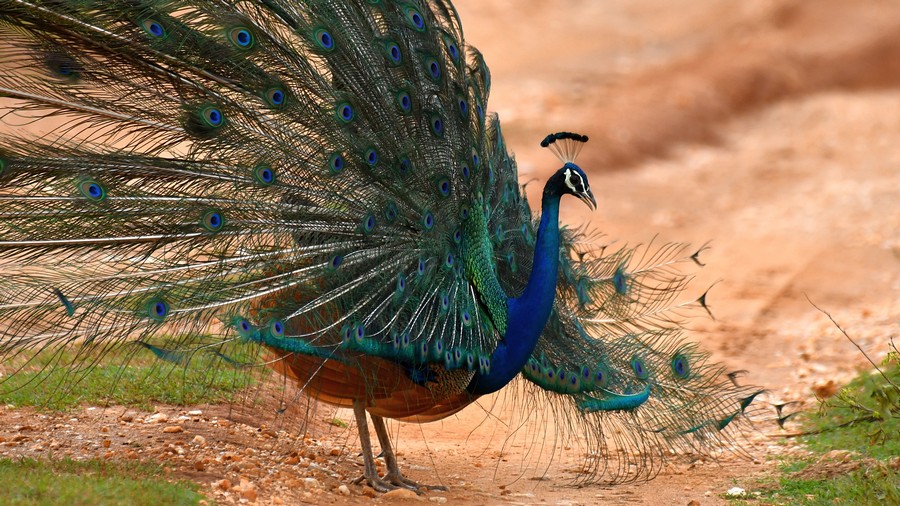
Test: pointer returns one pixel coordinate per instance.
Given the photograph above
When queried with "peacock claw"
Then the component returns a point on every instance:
(399, 480)
(391, 482)
(376, 483)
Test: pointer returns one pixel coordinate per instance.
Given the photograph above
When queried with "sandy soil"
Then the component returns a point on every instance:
(768, 128)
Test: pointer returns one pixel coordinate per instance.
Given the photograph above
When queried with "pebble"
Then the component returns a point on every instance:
(438, 499)
(157, 418)
(344, 490)
(310, 483)
(199, 440)
(369, 492)
(401, 494)
(248, 490)
(736, 492)
(173, 429)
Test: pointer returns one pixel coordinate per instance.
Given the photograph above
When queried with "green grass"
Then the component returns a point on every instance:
(37, 482)
(864, 418)
(61, 380)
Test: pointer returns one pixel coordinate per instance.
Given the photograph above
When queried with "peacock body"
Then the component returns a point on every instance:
(320, 180)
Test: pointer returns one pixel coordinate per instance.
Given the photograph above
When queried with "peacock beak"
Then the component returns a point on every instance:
(588, 198)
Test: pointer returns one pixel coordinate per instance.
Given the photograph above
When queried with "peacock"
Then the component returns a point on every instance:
(321, 181)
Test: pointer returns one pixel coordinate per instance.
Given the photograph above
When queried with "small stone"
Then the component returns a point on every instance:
(157, 418)
(735, 492)
(344, 490)
(838, 456)
(104, 429)
(310, 483)
(199, 465)
(438, 499)
(369, 492)
(195, 412)
(400, 494)
(106, 443)
(292, 460)
(224, 484)
(248, 490)
(199, 440)
(173, 429)
(693, 502)
(335, 452)
(127, 417)
(277, 500)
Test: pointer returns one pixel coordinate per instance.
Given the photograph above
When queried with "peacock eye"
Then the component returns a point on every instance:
(212, 221)
(415, 18)
(277, 328)
(324, 39)
(336, 163)
(157, 309)
(404, 101)
(275, 97)
(241, 37)
(453, 50)
(345, 112)
(154, 28)
(437, 125)
(433, 68)
(371, 156)
(264, 175)
(392, 50)
(92, 190)
(212, 116)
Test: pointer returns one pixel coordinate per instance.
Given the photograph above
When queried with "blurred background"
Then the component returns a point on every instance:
(769, 128)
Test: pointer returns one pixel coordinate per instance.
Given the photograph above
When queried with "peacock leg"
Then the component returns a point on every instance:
(370, 475)
(394, 475)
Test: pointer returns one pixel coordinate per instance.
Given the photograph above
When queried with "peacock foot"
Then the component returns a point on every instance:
(392, 482)
(398, 479)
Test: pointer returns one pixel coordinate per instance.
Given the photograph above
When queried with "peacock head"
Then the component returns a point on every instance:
(570, 179)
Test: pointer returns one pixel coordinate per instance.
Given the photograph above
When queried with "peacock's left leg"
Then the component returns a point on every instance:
(390, 460)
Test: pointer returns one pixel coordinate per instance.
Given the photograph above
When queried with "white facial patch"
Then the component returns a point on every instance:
(576, 183)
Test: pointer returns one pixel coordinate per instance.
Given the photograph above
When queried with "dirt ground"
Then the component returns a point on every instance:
(769, 128)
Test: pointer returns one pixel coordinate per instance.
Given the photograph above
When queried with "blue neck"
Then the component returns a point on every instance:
(527, 314)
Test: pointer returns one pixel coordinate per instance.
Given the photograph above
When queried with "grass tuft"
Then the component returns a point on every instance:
(29, 481)
(854, 438)
(64, 378)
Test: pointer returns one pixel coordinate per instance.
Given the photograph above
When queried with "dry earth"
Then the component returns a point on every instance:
(769, 128)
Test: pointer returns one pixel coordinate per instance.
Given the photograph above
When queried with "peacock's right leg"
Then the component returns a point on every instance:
(390, 460)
